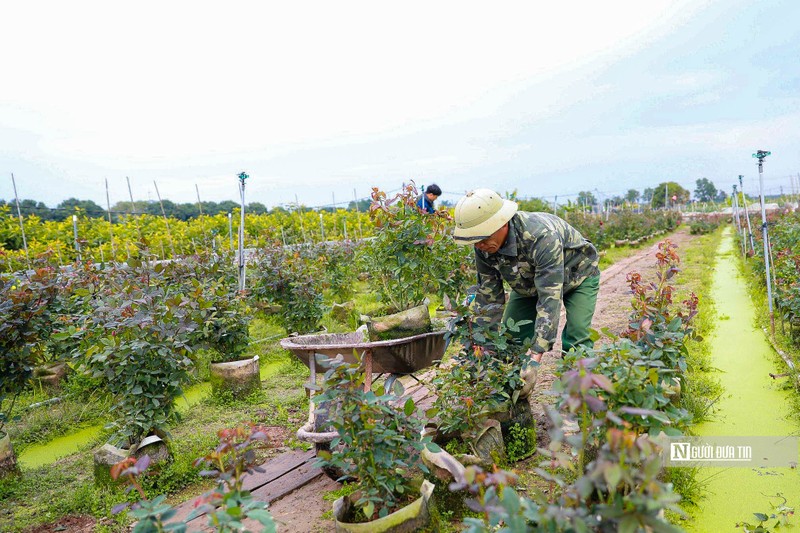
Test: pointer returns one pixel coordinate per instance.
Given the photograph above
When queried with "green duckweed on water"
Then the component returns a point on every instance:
(753, 405)
(44, 454)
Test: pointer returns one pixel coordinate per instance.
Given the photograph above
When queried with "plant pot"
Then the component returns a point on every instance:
(153, 446)
(104, 458)
(8, 459)
(488, 446)
(108, 455)
(241, 377)
(520, 413)
(405, 520)
(406, 323)
(51, 374)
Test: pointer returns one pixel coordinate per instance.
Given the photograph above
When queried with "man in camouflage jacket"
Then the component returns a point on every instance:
(542, 258)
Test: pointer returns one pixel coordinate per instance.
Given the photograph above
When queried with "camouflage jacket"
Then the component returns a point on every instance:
(543, 256)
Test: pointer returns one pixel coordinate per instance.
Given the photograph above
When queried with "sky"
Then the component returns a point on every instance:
(321, 101)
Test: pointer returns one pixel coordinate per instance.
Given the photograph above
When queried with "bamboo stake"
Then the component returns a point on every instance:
(110, 225)
(166, 221)
(21, 224)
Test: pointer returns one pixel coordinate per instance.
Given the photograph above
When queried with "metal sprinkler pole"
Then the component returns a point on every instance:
(242, 177)
(21, 224)
(747, 215)
(761, 155)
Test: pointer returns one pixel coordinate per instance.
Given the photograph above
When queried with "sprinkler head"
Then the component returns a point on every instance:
(242, 176)
(761, 154)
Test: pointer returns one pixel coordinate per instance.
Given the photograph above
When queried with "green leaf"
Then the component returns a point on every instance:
(408, 409)
(369, 509)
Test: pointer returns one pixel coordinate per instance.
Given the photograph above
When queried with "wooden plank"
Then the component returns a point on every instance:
(277, 467)
(274, 469)
(287, 483)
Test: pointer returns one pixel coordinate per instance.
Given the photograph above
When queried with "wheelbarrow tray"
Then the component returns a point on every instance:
(396, 356)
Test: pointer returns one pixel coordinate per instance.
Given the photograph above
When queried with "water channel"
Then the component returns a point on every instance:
(49, 452)
(753, 404)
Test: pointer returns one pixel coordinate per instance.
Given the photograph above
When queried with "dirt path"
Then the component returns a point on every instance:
(302, 510)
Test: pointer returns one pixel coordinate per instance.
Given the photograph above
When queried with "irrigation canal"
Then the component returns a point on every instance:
(753, 404)
(48, 453)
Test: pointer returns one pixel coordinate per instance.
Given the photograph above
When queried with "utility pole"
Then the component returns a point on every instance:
(747, 215)
(761, 155)
(666, 195)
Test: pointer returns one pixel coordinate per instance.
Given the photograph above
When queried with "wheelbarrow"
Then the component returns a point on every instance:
(397, 357)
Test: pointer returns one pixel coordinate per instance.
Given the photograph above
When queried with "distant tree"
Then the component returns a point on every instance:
(534, 204)
(363, 205)
(647, 195)
(632, 196)
(67, 208)
(616, 200)
(227, 206)
(705, 190)
(722, 197)
(586, 198)
(256, 208)
(681, 195)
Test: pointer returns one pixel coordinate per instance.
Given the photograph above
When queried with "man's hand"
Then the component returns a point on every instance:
(536, 356)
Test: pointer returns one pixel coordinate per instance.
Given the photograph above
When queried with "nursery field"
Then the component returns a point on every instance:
(164, 377)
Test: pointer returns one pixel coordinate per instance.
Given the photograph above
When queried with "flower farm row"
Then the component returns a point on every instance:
(137, 328)
(163, 238)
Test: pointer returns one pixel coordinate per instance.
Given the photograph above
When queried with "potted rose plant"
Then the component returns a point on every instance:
(139, 339)
(478, 392)
(379, 444)
(223, 326)
(25, 307)
(411, 256)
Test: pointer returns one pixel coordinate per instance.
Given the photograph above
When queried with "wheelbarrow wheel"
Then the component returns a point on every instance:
(321, 425)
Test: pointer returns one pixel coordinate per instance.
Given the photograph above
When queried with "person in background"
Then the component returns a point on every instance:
(545, 262)
(425, 201)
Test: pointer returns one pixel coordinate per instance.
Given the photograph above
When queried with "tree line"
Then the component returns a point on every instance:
(180, 211)
(665, 193)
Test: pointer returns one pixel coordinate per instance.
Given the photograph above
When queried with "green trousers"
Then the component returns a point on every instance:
(579, 304)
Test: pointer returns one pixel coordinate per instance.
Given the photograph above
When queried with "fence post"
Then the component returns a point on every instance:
(75, 233)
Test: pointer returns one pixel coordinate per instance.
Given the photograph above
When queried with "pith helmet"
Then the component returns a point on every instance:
(479, 214)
